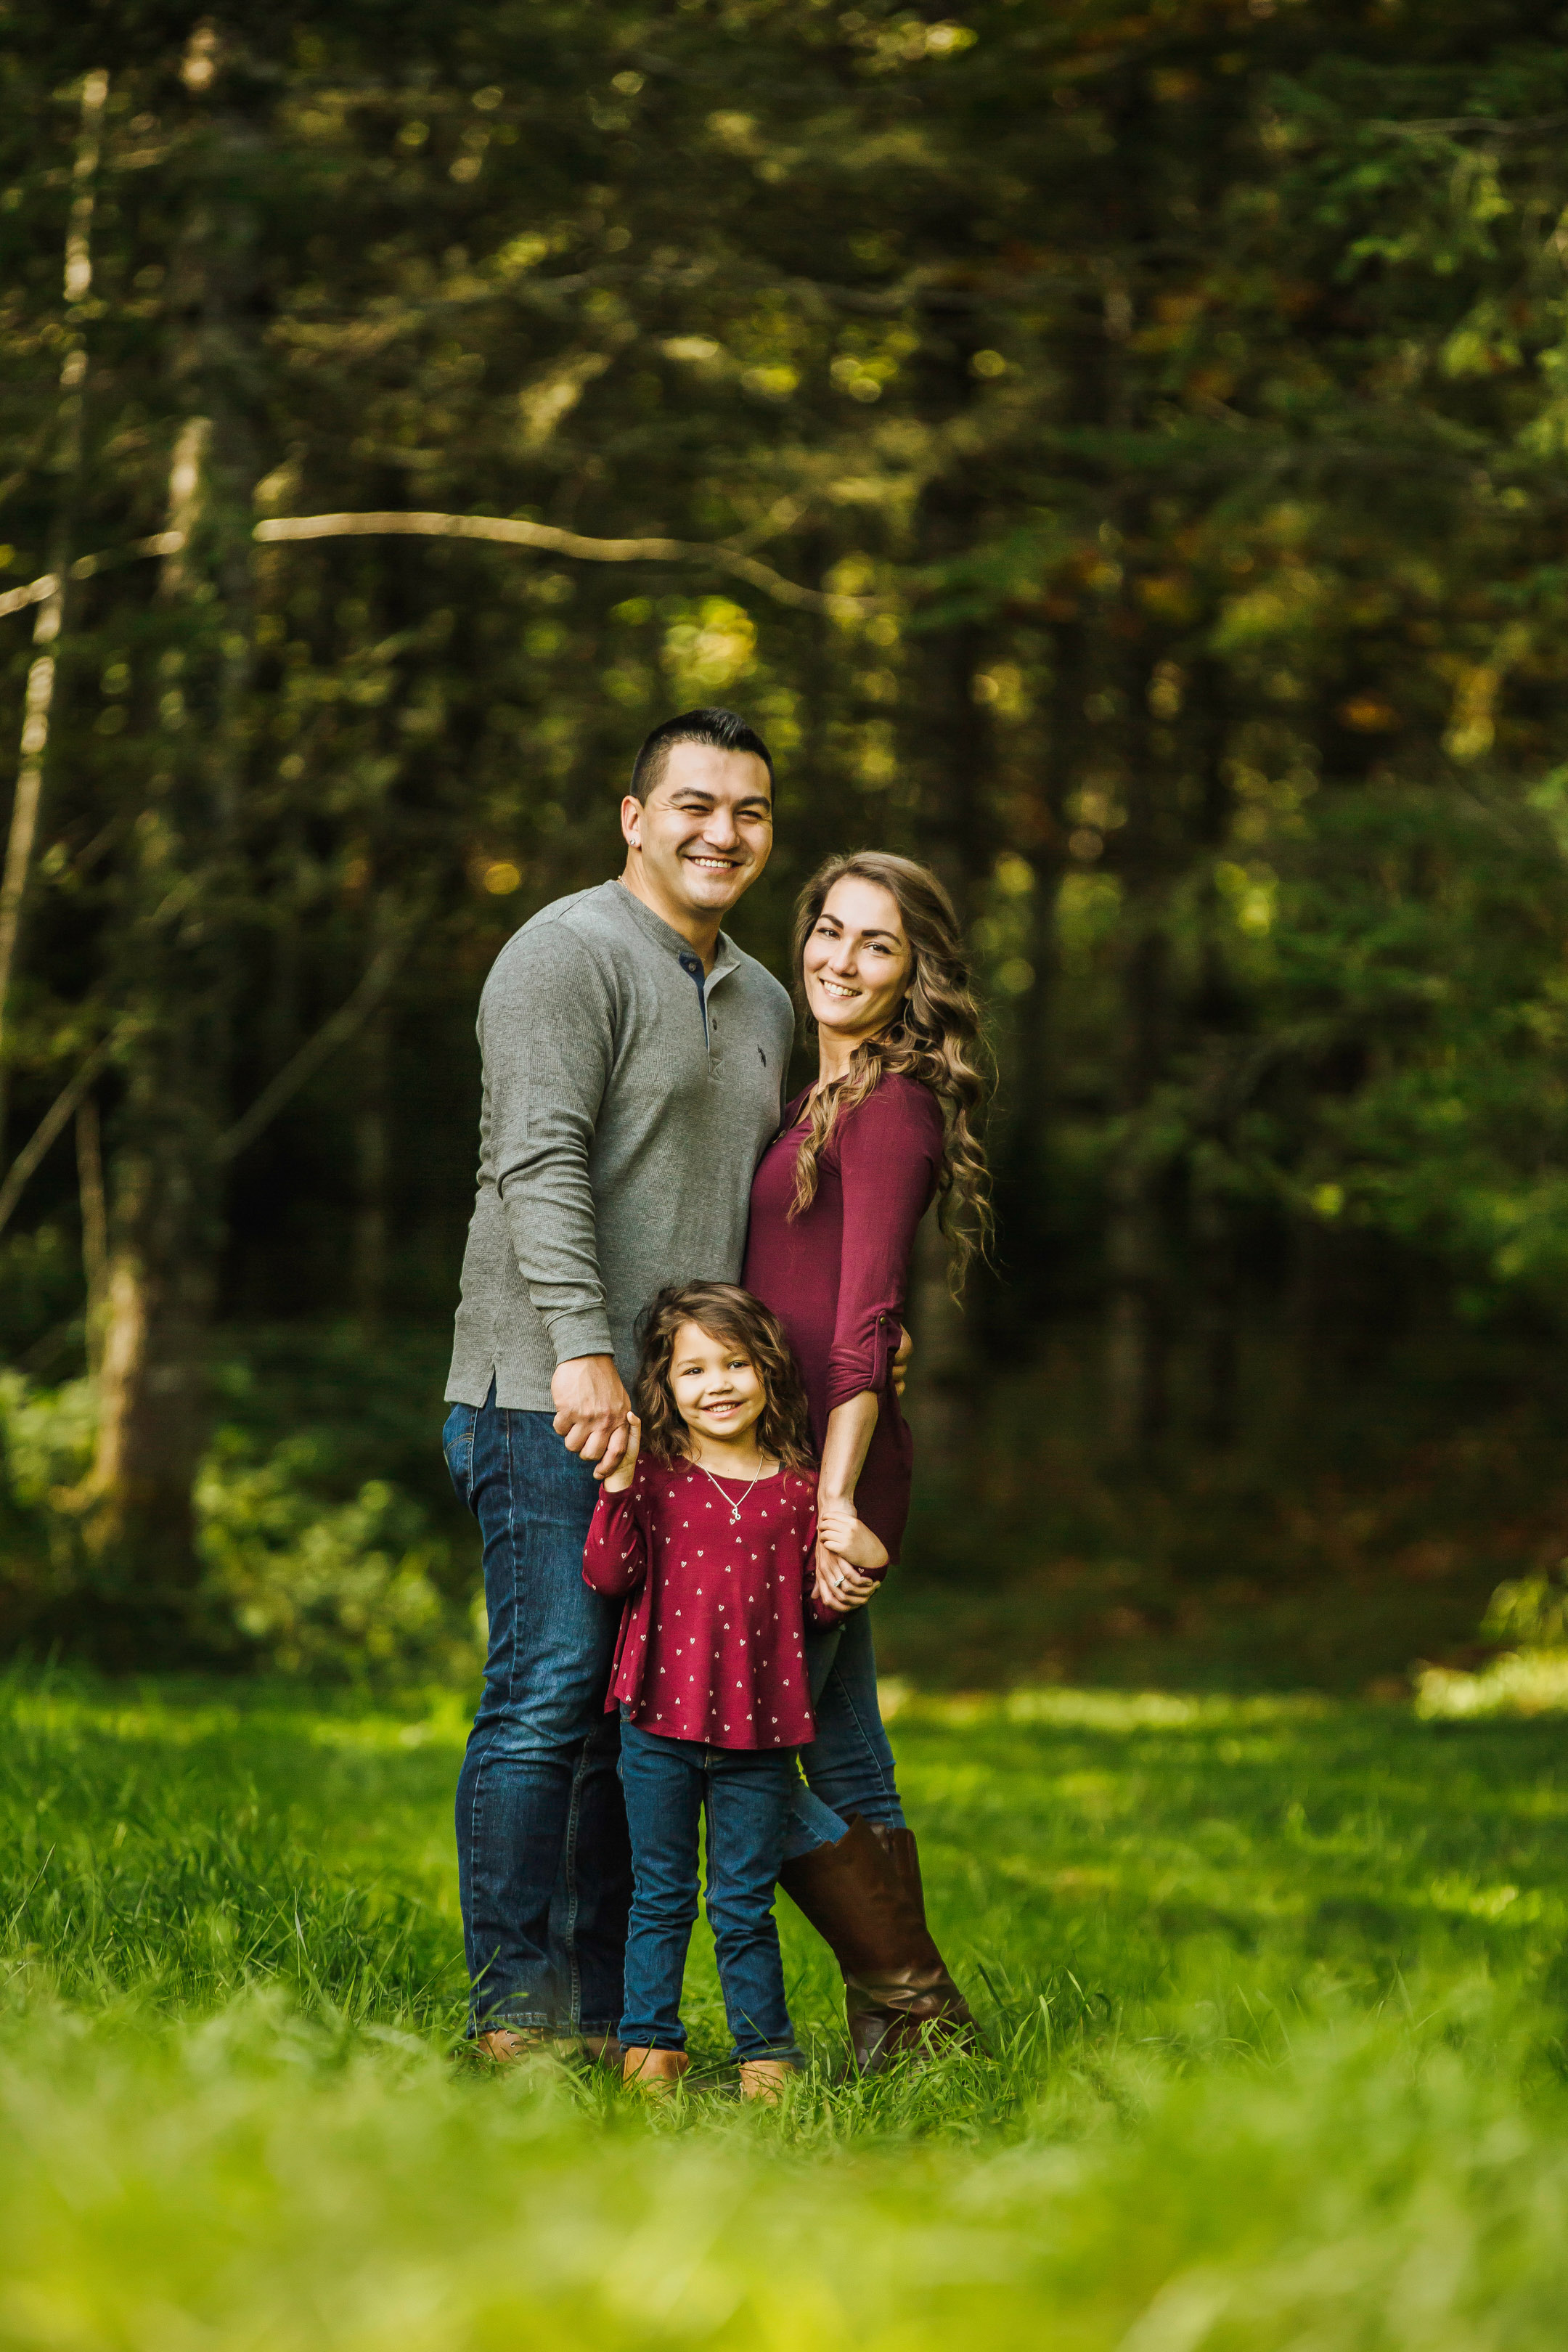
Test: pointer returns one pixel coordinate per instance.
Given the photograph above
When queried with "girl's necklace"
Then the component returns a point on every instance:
(734, 1507)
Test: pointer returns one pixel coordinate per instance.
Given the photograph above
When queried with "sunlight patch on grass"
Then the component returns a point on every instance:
(1106, 1710)
(1520, 1683)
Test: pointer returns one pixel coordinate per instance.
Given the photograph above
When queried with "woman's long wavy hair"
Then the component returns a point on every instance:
(935, 1036)
(730, 1315)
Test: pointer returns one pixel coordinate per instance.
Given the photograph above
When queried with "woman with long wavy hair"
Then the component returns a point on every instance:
(889, 1125)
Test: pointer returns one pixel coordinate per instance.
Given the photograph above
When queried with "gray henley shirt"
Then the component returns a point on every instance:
(628, 1099)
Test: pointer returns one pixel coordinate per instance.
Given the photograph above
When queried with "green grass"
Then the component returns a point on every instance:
(1276, 1992)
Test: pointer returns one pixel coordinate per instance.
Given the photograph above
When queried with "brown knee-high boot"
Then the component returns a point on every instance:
(864, 1898)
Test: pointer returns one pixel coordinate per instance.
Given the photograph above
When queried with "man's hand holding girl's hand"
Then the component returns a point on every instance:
(590, 1410)
(847, 1555)
(617, 1480)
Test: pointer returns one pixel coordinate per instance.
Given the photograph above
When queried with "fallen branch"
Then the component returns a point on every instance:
(501, 530)
(350, 1016)
(87, 567)
(508, 533)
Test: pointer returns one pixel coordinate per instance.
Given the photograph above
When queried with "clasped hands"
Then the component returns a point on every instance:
(592, 1410)
(847, 1554)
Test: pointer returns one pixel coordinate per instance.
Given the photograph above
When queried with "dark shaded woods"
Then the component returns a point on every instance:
(1117, 457)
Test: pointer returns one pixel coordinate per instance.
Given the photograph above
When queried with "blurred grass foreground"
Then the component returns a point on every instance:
(1273, 1989)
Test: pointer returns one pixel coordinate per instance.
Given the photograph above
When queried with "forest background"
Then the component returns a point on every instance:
(1117, 457)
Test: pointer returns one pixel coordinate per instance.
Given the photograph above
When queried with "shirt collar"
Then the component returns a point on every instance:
(726, 959)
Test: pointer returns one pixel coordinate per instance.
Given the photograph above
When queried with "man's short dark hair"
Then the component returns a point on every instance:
(722, 731)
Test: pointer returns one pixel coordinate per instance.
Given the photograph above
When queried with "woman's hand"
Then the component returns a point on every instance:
(616, 1480)
(839, 1588)
(841, 1583)
(850, 1538)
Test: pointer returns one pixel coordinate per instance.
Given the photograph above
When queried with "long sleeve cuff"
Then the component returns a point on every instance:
(865, 1364)
(585, 1333)
(614, 1558)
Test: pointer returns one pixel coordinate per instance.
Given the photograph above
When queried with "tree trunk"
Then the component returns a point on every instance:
(49, 621)
(94, 1228)
(178, 948)
(165, 1228)
(1135, 1361)
(1214, 1315)
(1136, 1326)
(1035, 1073)
(152, 1382)
(372, 1159)
(1219, 1014)
(939, 1405)
(949, 747)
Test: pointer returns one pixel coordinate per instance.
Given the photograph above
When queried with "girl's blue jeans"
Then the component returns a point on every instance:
(744, 1796)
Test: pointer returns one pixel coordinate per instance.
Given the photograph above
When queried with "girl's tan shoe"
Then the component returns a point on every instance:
(764, 2079)
(507, 2043)
(658, 2070)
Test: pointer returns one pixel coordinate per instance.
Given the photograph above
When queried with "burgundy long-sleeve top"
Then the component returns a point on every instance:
(710, 1644)
(837, 1276)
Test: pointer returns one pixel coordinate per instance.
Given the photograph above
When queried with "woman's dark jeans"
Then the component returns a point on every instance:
(745, 1793)
(850, 1765)
(543, 1865)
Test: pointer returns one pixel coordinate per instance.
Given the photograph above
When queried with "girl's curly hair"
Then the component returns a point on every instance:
(729, 1314)
(935, 1036)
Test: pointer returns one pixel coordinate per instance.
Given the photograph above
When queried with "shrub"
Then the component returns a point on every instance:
(316, 1587)
(296, 1576)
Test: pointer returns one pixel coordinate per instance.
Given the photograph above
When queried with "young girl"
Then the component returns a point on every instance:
(709, 1526)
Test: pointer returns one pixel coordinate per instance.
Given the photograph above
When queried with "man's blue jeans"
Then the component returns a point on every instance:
(543, 1862)
(744, 1796)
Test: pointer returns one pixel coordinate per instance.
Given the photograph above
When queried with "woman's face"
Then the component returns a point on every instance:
(858, 961)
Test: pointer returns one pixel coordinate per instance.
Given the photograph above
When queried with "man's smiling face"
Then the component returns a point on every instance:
(703, 833)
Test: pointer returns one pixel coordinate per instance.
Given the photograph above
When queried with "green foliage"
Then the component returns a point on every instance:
(47, 1437)
(40, 1296)
(1275, 1993)
(355, 1586)
(298, 1573)
(1533, 1609)
(1530, 1614)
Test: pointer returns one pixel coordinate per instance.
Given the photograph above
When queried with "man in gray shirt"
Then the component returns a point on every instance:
(633, 1061)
